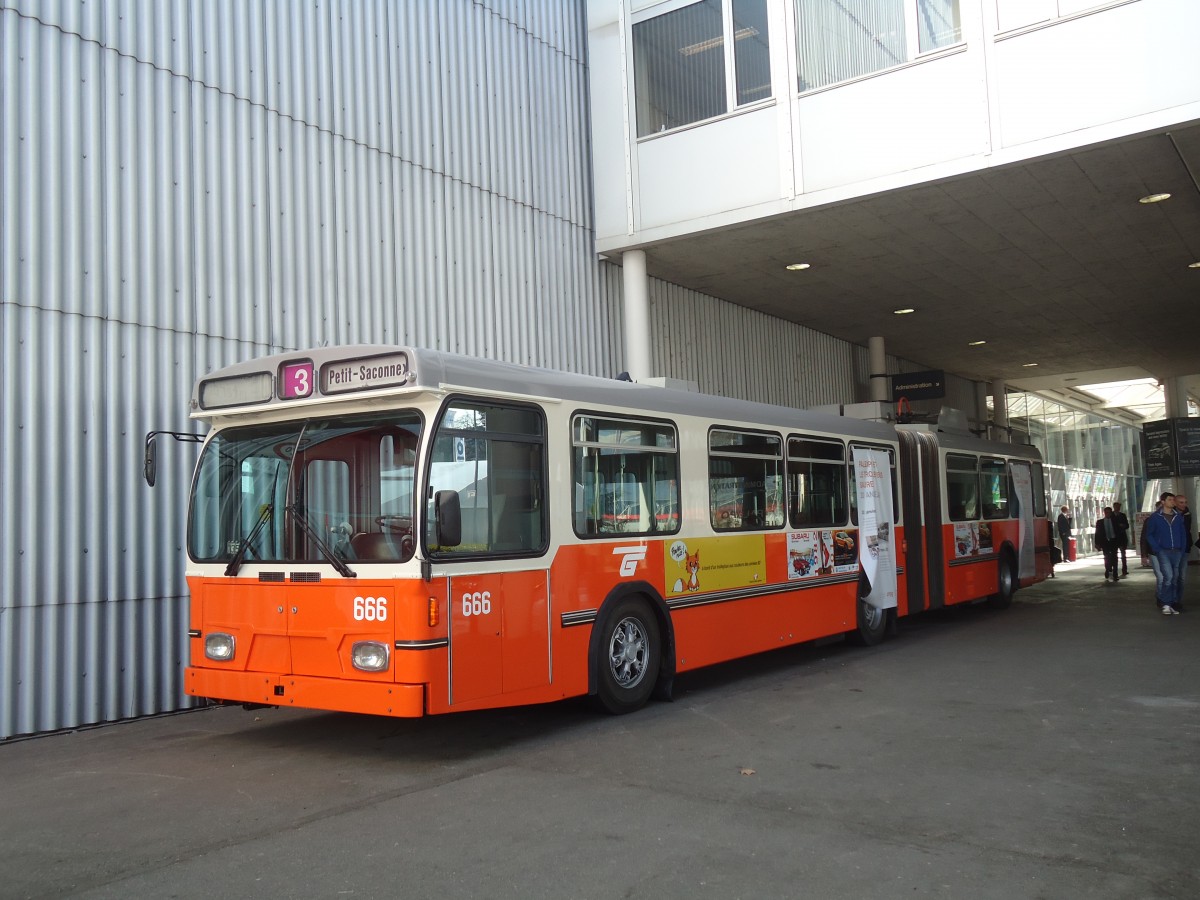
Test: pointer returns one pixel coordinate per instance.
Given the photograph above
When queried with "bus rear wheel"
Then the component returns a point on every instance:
(626, 666)
(871, 625)
(1006, 583)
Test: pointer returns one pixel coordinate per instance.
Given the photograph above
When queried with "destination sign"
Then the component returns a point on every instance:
(365, 374)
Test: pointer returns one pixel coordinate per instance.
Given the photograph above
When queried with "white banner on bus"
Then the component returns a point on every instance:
(876, 530)
(1023, 482)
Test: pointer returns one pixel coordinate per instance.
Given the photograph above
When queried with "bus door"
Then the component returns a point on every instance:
(493, 455)
(924, 560)
(499, 634)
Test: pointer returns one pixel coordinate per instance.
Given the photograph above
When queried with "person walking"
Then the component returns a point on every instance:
(1064, 532)
(1167, 541)
(1122, 522)
(1107, 539)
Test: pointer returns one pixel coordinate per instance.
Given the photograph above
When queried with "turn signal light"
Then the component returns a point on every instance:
(435, 613)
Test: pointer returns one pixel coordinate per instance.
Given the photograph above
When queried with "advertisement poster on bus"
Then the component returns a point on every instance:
(876, 547)
(967, 539)
(715, 564)
(1023, 482)
(821, 552)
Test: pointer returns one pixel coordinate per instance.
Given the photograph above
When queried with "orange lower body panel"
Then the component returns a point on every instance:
(371, 698)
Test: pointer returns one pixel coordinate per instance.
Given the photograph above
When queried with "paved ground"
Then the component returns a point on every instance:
(1051, 750)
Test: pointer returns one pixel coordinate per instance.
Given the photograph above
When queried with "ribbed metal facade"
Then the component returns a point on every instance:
(184, 185)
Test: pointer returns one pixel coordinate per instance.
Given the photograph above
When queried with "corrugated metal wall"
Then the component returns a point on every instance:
(184, 185)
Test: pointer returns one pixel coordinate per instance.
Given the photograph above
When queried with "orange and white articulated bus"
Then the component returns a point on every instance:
(402, 532)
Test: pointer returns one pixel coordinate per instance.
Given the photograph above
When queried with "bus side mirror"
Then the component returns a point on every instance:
(449, 518)
(150, 461)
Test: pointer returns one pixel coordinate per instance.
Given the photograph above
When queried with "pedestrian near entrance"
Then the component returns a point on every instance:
(1107, 539)
(1122, 522)
(1168, 545)
(1064, 532)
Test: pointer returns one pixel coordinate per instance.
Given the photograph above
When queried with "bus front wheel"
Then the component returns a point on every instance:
(628, 659)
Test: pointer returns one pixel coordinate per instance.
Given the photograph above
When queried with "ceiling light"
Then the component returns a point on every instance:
(1195, 265)
(976, 343)
(712, 43)
(903, 312)
(1154, 198)
(796, 267)
(1028, 365)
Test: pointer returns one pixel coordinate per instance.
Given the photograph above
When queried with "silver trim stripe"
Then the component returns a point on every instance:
(971, 560)
(763, 591)
(582, 617)
(431, 644)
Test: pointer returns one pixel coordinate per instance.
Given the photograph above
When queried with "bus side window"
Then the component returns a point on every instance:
(626, 476)
(962, 487)
(994, 478)
(745, 480)
(817, 482)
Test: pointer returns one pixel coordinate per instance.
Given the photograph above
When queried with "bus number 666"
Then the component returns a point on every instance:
(477, 604)
(370, 609)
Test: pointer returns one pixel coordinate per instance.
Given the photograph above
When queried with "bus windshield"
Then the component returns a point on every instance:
(332, 490)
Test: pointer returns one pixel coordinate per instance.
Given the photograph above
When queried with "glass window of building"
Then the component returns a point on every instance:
(683, 60)
(838, 40)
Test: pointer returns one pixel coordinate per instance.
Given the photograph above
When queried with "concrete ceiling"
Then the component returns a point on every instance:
(1052, 261)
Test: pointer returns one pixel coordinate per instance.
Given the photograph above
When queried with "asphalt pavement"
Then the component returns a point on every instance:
(1051, 750)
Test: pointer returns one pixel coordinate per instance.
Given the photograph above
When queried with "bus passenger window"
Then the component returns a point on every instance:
(745, 480)
(993, 476)
(962, 487)
(626, 477)
(816, 481)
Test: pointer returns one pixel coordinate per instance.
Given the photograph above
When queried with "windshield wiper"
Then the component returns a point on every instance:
(240, 556)
(344, 570)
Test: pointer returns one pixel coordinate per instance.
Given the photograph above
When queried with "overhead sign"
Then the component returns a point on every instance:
(1171, 447)
(1187, 446)
(919, 385)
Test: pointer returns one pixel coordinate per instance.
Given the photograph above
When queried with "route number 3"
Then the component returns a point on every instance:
(477, 604)
(370, 609)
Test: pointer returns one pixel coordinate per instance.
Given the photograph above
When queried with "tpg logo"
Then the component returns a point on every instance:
(632, 556)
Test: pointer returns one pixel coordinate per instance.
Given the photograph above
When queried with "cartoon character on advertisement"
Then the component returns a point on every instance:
(690, 581)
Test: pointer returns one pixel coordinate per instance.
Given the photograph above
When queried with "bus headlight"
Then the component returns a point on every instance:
(369, 656)
(219, 646)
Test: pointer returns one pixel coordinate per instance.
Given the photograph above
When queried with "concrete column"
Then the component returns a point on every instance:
(1175, 397)
(879, 377)
(636, 314)
(981, 413)
(1000, 406)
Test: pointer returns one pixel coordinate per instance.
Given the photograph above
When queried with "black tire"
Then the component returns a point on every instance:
(1007, 583)
(870, 627)
(628, 656)
(870, 624)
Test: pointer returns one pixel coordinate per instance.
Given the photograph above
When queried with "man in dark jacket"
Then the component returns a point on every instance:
(1064, 532)
(1122, 522)
(1107, 538)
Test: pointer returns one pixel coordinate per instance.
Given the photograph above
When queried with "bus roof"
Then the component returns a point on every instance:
(296, 380)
